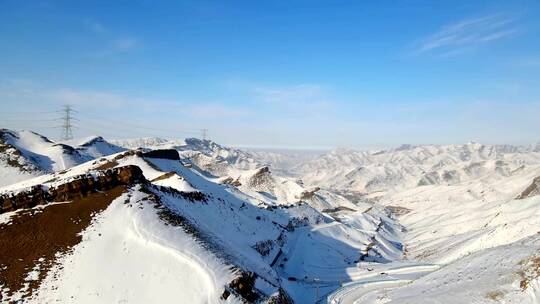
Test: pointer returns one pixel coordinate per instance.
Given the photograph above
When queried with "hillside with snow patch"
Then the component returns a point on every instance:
(25, 154)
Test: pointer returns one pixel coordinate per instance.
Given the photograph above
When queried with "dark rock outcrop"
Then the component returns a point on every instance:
(232, 182)
(79, 187)
(308, 194)
(532, 190)
(93, 141)
(280, 298)
(244, 287)
(163, 154)
(262, 180)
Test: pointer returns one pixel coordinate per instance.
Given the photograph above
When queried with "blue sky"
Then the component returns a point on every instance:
(304, 74)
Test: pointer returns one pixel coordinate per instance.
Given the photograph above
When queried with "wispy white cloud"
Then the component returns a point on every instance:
(468, 34)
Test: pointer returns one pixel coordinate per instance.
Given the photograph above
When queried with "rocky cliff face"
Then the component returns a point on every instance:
(261, 180)
(79, 187)
(532, 190)
(308, 194)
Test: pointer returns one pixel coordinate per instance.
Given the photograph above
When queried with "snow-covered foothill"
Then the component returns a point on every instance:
(129, 255)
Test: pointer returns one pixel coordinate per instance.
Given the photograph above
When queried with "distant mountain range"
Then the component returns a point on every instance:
(410, 166)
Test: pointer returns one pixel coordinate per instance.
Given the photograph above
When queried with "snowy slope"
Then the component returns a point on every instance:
(129, 255)
(96, 146)
(504, 274)
(30, 154)
(24, 154)
(42, 152)
(483, 234)
(14, 166)
(445, 223)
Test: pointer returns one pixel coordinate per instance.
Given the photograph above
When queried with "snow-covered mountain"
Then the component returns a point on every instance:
(248, 171)
(245, 171)
(96, 146)
(135, 143)
(410, 166)
(25, 154)
(282, 161)
(414, 224)
(163, 224)
(481, 238)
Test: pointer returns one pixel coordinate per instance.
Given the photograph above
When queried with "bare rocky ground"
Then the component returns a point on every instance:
(33, 238)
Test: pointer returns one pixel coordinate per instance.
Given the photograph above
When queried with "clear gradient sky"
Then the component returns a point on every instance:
(276, 73)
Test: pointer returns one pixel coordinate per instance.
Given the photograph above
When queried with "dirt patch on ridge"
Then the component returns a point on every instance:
(107, 165)
(32, 238)
(532, 190)
(164, 176)
(530, 271)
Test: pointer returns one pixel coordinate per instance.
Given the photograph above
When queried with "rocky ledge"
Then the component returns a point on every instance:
(79, 187)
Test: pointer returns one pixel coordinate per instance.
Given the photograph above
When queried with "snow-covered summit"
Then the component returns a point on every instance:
(25, 153)
(144, 142)
(97, 146)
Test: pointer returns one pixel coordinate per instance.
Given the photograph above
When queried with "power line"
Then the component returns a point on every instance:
(120, 124)
(204, 133)
(67, 127)
(65, 122)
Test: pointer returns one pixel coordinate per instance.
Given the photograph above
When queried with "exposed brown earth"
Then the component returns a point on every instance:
(340, 209)
(495, 295)
(309, 194)
(107, 165)
(34, 237)
(164, 176)
(233, 182)
(397, 210)
(530, 271)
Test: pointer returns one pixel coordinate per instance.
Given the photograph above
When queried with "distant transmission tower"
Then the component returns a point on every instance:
(67, 126)
(204, 133)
